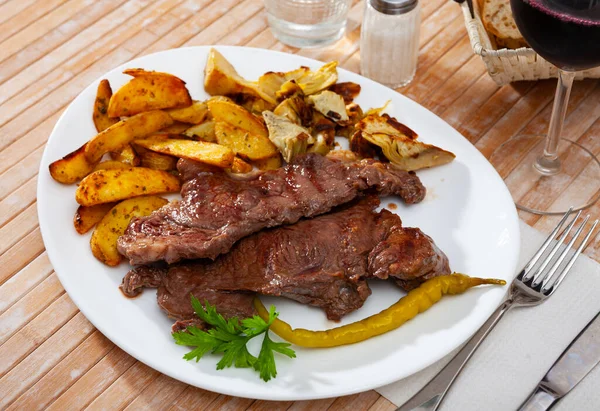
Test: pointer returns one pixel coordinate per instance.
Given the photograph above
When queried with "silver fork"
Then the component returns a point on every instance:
(531, 287)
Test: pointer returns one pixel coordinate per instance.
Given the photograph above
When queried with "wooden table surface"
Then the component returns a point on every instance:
(50, 50)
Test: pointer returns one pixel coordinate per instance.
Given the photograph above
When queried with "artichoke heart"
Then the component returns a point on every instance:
(387, 125)
(331, 105)
(409, 154)
(290, 138)
(314, 81)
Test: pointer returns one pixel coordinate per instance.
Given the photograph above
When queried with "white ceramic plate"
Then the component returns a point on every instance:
(468, 212)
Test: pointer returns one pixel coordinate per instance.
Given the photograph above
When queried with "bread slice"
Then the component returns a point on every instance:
(498, 20)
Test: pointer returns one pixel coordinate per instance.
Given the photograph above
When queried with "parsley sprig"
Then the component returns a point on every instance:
(229, 337)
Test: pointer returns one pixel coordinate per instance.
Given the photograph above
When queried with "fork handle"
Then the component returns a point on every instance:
(432, 394)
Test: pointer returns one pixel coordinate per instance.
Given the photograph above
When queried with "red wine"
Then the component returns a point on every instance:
(564, 32)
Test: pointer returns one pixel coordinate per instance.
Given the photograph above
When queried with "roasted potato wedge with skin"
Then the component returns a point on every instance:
(111, 165)
(208, 153)
(239, 166)
(87, 217)
(107, 186)
(147, 91)
(194, 114)
(117, 136)
(72, 167)
(156, 161)
(204, 132)
(175, 128)
(221, 79)
(113, 225)
(237, 116)
(127, 156)
(271, 163)
(409, 154)
(243, 143)
(100, 114)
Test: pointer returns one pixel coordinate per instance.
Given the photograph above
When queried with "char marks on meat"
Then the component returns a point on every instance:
(323, 261)
(217, 209)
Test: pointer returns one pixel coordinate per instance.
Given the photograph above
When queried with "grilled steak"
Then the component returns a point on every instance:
(228, 304)
(409, 257)
(321, 261)
(217, 209)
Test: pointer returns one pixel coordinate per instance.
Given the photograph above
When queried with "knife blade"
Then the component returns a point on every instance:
(580, 357)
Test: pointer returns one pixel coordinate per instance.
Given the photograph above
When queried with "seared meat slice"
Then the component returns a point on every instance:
(228, 304)
(143, 276)
(409, 257)
(217, 209)
(321, 261)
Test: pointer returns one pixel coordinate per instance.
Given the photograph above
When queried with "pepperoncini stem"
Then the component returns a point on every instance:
(415, 302)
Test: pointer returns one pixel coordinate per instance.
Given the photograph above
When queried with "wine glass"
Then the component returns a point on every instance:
(567, 34)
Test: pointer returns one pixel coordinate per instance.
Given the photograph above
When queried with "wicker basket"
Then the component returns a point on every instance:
(507, 65)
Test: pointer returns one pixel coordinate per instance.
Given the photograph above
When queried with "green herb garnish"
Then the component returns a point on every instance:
(229, 337)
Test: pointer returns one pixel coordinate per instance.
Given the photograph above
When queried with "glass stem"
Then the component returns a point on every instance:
(549, 163)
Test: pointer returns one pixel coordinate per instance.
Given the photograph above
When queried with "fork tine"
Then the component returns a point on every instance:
(574, 257)
(563, 255)
(548, 260)
(527, 269)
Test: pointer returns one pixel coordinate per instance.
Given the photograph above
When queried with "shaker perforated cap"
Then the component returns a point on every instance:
(393, 6)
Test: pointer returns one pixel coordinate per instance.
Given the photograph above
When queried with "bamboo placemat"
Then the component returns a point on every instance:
(50, 355)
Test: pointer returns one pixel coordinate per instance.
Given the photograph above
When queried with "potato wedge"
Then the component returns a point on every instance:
(271, 163)
(111, 165)
(409, 154)
(113, 225)
(194, 114)
(105, 186)
(87, 217)
(204, 132)
(220, 78)
(237, 116)
(126, 156)
(176, 128)
(156, 161)
(72, 167)
(100, 113)
(208, 153)
(147, 91)
(239, 166)
(246, 145)
(122, 133)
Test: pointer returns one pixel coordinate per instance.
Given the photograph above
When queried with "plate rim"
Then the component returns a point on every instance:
(153, 363)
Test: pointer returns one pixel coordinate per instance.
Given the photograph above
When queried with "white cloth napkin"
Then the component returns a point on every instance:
(516, 355)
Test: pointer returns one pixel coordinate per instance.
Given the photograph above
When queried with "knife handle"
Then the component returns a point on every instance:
(539, 400)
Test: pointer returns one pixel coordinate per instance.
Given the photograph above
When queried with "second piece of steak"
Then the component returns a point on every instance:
(217, 209)
(321, 261)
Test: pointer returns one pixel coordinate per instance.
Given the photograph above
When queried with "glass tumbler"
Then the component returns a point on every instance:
(307, 23)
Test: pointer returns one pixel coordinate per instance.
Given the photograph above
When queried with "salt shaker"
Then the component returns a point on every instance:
(389, 41)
